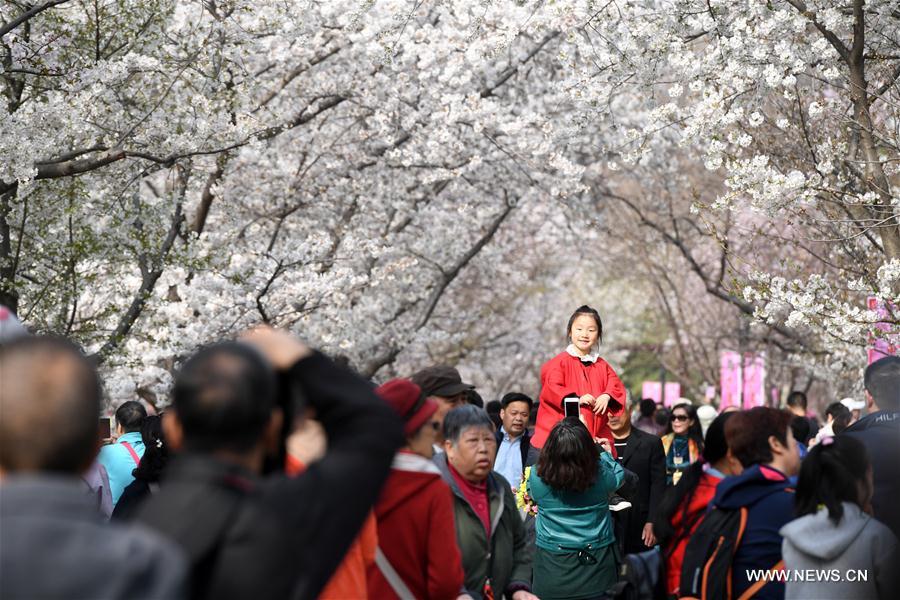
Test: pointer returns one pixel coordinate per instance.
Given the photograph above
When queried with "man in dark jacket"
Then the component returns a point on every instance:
(879, 431)
(54, 542)
(514, 450)
(248, 536)
(642, 454)
(762, 441)
(489, 529)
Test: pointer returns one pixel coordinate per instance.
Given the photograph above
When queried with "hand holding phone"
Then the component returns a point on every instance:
(604, 443)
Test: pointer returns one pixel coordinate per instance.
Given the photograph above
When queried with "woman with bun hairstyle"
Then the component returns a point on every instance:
(579, 371)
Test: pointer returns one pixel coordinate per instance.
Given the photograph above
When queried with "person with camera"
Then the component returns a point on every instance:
(575, 555)
(250, 535)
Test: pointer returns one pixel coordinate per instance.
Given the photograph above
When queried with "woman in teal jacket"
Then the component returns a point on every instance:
(574, 558)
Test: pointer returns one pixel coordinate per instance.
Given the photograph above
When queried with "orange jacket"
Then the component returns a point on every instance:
(350, 578)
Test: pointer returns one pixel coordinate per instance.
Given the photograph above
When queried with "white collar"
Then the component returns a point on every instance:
(591, 358)
(407, 461)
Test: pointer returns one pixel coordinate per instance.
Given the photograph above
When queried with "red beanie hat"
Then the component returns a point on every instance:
(407, 399)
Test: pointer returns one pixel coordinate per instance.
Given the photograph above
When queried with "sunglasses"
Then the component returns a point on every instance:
(680, 417)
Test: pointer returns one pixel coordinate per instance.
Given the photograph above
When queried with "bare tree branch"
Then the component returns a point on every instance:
(32, 12)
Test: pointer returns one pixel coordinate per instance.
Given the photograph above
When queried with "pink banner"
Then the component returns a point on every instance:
(651, 390)
(730, 379)
(673, 393)
(754, 380)
(887, 343)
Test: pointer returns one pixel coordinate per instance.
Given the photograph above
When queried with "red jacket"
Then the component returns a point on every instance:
(565, 374)
(416, 532)
(696, 510)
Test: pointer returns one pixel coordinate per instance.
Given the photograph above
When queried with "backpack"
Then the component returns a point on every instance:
(641, 577)
(706, 568)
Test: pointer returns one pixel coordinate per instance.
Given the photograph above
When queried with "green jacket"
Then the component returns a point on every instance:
(572, 521)
(508, 554)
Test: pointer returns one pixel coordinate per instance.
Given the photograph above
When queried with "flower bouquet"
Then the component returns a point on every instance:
(523, 500)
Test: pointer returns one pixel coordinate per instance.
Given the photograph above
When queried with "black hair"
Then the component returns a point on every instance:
(130, 415)
(461, 418)
(568, 460)
(662, 416)
(156, 451)
(715, 448)
(797, 398)
(224, 396)
(834, 471)
(511, 397)
(50, 406)
(836, 409)
(591, 312)
(647, 407)
(695, 431)
(492, 408)
(882, 381)
(841, 422)
(800, 429)
(474, 398)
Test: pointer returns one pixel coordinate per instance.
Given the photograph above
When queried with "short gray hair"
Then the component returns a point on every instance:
(461, 418)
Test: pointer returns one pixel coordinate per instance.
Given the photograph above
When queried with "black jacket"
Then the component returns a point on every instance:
(256, 537)
(880, 433)
(529, 454)
(645, 458)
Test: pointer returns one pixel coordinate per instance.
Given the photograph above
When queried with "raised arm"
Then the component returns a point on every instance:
(324, 508)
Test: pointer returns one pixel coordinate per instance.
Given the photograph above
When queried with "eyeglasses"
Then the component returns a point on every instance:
(679, 417)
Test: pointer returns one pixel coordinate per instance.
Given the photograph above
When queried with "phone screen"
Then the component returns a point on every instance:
(105, 429)
(572, 408)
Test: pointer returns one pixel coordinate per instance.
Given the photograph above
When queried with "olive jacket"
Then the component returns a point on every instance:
(506, 556)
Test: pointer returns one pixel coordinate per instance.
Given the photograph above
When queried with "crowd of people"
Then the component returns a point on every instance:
(276, 472)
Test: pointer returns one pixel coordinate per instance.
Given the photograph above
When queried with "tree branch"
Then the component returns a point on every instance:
(512, 70)
(151, 271)
(34, 11)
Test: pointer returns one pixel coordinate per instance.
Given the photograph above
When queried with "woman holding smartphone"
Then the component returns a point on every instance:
(579, 372)
(574, 554)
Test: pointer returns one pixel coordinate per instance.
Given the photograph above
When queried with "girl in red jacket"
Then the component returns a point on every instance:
(579, 371)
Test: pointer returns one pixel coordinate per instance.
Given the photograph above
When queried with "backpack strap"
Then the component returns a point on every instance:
(392, 576)
(759, 583)
(134, 455)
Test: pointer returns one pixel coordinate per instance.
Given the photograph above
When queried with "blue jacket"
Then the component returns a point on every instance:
(119, 463)
(880, 434)
(769, 497)
(572, 521)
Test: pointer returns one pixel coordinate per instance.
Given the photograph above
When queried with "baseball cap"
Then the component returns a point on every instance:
(441, 380)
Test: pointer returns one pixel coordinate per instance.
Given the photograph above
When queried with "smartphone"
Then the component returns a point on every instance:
(105, 428)
(572, 407)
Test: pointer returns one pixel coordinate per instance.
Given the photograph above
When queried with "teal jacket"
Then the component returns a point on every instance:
(571, 521)
(119, 463)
